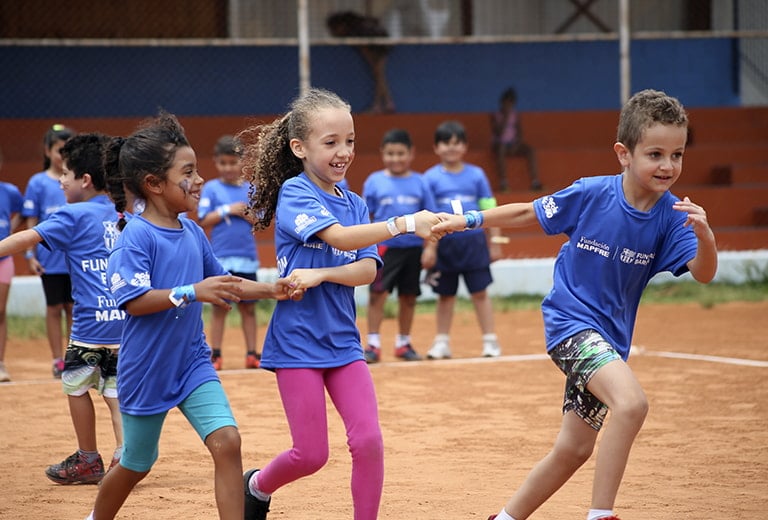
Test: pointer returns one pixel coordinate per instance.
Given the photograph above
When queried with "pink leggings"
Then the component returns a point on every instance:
(350, 387)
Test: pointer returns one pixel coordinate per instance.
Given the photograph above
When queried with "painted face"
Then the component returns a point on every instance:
(657, 161)
(229, 168)
(183, 182)
(330, 147)
(73, 188)
(54, 154)
(451, 152)
(397, 158)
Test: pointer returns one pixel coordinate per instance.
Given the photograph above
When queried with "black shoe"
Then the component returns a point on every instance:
(255, 509)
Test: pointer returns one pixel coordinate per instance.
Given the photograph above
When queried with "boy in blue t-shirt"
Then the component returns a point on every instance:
(394, 191)
(85, 230)
(622, 230)
(456, 187)
(222, 212)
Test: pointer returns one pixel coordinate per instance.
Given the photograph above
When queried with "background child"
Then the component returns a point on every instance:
(10, 217)
(393, 191)
(623, 229)
(508, 140)
(42, 197)
(222, 212)
(456, 183)
(160, 272)
(85, 231)
(325, 245)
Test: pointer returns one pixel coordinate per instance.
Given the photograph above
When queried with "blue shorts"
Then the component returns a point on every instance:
(579, 358)
(206, 408)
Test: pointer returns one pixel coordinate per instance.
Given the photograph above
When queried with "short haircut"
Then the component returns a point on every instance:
(448, 130)
(397, 136)
(228, 145)
(645, 109)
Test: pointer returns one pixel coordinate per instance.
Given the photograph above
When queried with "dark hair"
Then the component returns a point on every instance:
(643, 110)
(268, 160)
(228, 145)
(83, 154)
(150, 150)
(448, 130)
(57, 132)
(397, 136)
(509, 94)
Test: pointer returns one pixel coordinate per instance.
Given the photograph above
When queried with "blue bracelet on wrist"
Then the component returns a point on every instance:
(182, 296)
(474, 219)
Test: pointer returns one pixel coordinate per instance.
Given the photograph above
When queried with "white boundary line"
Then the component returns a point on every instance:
(640, 352)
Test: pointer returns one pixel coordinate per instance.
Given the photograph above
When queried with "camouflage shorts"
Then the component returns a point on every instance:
(87, 367)
(579, 358)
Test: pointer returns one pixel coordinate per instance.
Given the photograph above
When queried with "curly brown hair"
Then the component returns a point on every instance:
(268, 160)
(644, 109)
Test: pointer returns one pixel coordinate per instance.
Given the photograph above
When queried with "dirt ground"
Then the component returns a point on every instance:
(460, 434)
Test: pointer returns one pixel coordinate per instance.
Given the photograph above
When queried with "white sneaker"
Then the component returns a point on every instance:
(4, 375)
(439, 350)
(491, 349)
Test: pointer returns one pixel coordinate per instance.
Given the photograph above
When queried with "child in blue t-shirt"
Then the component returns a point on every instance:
(396, 190)
(160, 271)
(222, 212)
(622, 230)
(326, 246)
(42, 197)
(84, 230)
(10, 217)
(458, 186)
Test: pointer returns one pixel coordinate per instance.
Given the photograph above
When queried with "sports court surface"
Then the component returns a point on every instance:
(459, 434)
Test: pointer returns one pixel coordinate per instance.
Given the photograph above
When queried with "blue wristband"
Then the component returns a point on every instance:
(474, 219)
(182, 295)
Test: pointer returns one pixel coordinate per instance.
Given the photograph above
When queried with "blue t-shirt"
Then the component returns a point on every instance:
(233, 236)
(42, 198)
(319, 331)
(86, 233)
(11, 202)
(612, 252)
(163, 355)
(391, 196)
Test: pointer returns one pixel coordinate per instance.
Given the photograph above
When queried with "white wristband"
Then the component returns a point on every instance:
(410, 223)
(392, 227)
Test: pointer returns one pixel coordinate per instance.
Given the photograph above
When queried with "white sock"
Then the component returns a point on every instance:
(442, 338)
(255, 491)
(402, 340)
(504, 516)
(490, 338)
(595, 514)
(374, 340)
(90, 516)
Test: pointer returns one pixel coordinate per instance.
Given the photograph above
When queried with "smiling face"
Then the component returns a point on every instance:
(451, 153)
(656, 162)
(229, 168)
(72, 187)
(183, 183)
(397, 158)
(329, 149)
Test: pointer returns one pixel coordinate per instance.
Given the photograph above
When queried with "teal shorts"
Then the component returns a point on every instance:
(207, 410)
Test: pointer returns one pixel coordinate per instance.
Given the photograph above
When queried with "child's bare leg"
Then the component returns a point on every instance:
(405, 312)
(117, 420)
(84, 420)
(573, 447)
(114, 490)
(484, 311)
(376, 301)
(445, 305)
(224, 445)
(616, 385)
(218, 318)
(248, 324)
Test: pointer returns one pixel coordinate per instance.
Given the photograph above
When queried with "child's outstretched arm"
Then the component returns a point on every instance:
(218, 290)
(348, 238)
(514, 214)
(282, 289)
(703, 266)
(361, 272)
(19, 242)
